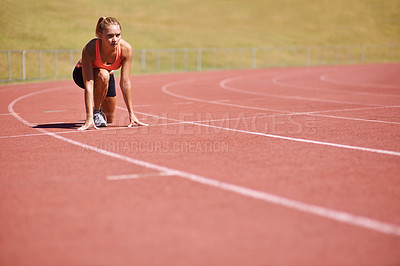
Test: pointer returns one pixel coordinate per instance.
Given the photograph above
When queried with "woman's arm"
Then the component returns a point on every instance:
(125, 84)
(88, 80)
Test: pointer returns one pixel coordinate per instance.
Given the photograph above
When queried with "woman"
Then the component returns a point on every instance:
(94, 73)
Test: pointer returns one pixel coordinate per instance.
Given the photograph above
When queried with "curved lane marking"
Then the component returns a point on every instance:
(339, 216)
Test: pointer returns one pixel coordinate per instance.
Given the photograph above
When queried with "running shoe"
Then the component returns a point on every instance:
(99, 118)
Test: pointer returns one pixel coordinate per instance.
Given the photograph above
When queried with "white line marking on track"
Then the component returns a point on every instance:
(367, 85)
(221, 101)
(316, 113)
(329, 144)
(182, 103)
(5, 114)
(143, 105)
(30, 135)
(164, 89)
(357, 109)
(280, 83)
(339, 216)
(207, 121)
(222, 84)
(124, 127)
(137, 176)
(357, 119)
(198, 121)
(54, 111)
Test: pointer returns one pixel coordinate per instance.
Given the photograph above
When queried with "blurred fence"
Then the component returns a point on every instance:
(48, 64)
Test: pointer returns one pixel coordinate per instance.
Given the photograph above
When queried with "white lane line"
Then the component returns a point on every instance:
(339, 216)
(291, 97)
(367, 85)
(358, 109)
(54, 111)
(124, 127)
(336, 145)
(34, 135)
(183, 103)
(211, 120)
(221, 101)
(357, 119)
(165, 90)
(224, 86)
(191, 122)
(179, 82)
(323, 143)
(5, 114)
(280, 83)
(137, 176)
(143, 105)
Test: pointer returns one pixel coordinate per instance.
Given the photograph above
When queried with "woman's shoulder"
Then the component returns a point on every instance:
(91, 44)
(90, 47)
(126, 48)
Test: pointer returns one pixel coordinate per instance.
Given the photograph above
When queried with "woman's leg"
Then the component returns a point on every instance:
(102, 81)
(109, 108)
(101, 78)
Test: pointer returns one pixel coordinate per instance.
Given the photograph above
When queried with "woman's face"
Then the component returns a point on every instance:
(111, 36)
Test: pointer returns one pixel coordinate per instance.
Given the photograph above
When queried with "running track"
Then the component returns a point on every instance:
(296, 166)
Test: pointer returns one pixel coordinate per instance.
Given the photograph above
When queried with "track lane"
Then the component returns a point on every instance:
(210, 230)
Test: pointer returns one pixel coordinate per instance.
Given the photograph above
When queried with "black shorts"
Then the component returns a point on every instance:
(78, 78)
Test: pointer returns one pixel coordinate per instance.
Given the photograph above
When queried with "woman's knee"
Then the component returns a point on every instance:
(102, 76)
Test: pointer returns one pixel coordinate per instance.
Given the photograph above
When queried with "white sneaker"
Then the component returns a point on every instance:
(100, 119)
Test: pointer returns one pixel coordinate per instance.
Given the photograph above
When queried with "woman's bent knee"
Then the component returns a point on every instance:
(102, 76)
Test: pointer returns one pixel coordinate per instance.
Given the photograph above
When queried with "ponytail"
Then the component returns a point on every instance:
(104, 22)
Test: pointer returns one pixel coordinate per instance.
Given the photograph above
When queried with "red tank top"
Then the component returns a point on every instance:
(99, 64)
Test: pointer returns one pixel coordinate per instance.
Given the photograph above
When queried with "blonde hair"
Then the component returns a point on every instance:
(104, 22)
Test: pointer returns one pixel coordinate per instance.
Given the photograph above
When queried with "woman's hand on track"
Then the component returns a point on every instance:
(136, 122)
(87, 125)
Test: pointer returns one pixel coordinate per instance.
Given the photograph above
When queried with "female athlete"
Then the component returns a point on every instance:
(94, 73)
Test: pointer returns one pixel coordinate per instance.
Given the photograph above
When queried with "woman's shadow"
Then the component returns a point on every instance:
(60, 125)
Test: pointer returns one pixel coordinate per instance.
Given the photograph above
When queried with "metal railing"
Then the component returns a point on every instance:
(18, 65)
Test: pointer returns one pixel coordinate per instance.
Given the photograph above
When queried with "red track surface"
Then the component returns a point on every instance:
(295, 166)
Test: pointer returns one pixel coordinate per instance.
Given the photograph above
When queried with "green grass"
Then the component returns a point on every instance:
(52, 24)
